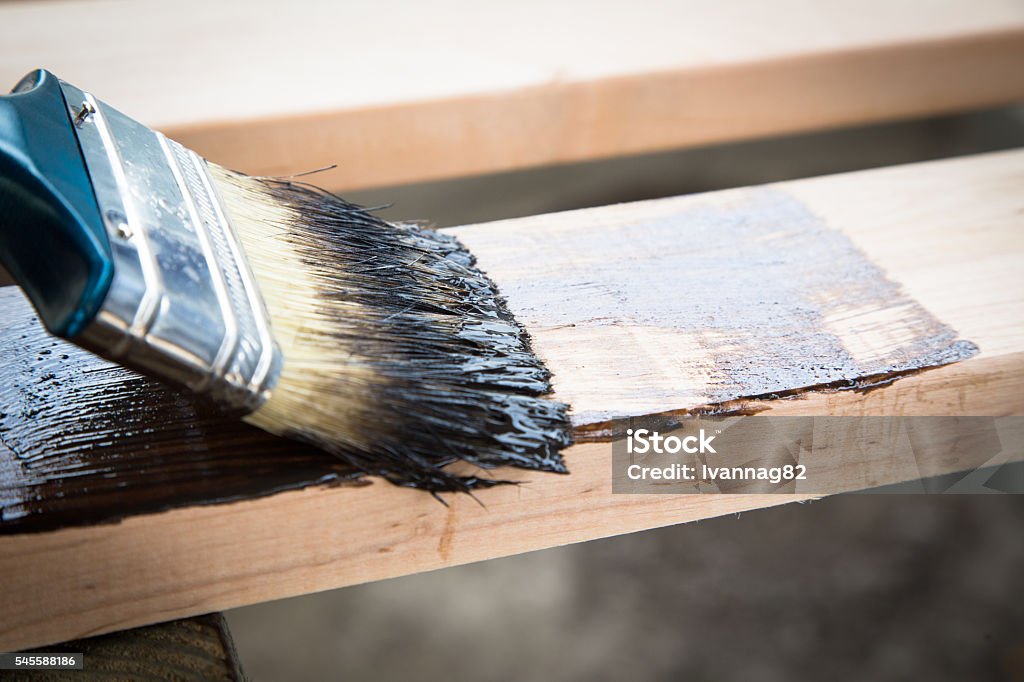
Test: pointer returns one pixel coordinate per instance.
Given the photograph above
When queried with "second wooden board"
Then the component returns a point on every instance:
(405, 92)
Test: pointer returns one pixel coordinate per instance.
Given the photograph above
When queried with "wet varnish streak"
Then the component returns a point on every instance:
(82, 440)
(648, 308)
(679, 303)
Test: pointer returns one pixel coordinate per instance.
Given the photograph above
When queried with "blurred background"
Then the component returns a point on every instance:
(869, 587)
(879, 587)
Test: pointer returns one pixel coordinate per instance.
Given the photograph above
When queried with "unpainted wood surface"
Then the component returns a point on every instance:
(401, 92)
(947, 233)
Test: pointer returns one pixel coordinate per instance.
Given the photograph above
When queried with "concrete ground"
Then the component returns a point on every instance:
(867, 587)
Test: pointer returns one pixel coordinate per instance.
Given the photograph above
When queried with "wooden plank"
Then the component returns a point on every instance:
(948, 232)
(762, 297)
(404, 93)
(196, 649)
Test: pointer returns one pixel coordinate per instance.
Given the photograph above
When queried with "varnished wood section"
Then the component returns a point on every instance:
(703, 300)
(190, 650)
(395, 94)
(947, 237)
(83, 441)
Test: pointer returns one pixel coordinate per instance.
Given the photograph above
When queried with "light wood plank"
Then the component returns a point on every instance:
(403, 92)
(950, 231)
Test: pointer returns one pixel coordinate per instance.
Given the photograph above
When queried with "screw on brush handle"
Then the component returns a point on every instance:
(52, 237)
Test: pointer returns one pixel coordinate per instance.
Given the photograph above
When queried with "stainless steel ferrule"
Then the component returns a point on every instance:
(183, 304)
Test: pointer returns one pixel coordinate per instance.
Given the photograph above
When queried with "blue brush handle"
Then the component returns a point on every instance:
(52, 237)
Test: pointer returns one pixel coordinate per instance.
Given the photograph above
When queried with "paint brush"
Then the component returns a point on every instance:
(306, 315)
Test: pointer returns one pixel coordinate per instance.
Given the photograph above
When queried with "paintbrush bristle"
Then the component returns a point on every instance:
(400, 357)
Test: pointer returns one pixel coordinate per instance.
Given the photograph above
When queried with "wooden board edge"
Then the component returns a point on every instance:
(568, 122)
(85, 581)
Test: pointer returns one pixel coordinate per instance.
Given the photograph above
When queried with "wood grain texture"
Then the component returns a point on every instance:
(196, 649)
(948, 233)
(696, 301)
(703, 300)
(399, 92)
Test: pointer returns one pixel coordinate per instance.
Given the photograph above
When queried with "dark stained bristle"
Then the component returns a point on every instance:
(400, 355)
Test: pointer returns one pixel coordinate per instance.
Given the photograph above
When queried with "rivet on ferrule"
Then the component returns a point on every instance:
(84, 113)
(183, 305)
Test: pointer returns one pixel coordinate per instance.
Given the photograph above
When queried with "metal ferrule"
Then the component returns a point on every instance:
(183, 304)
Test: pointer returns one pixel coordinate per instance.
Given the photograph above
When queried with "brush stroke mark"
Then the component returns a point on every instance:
(84, 441)
(678, 303)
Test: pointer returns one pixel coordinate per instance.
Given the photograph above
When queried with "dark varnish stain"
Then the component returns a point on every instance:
(773, 287)
(705, 300)
(83, 441)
